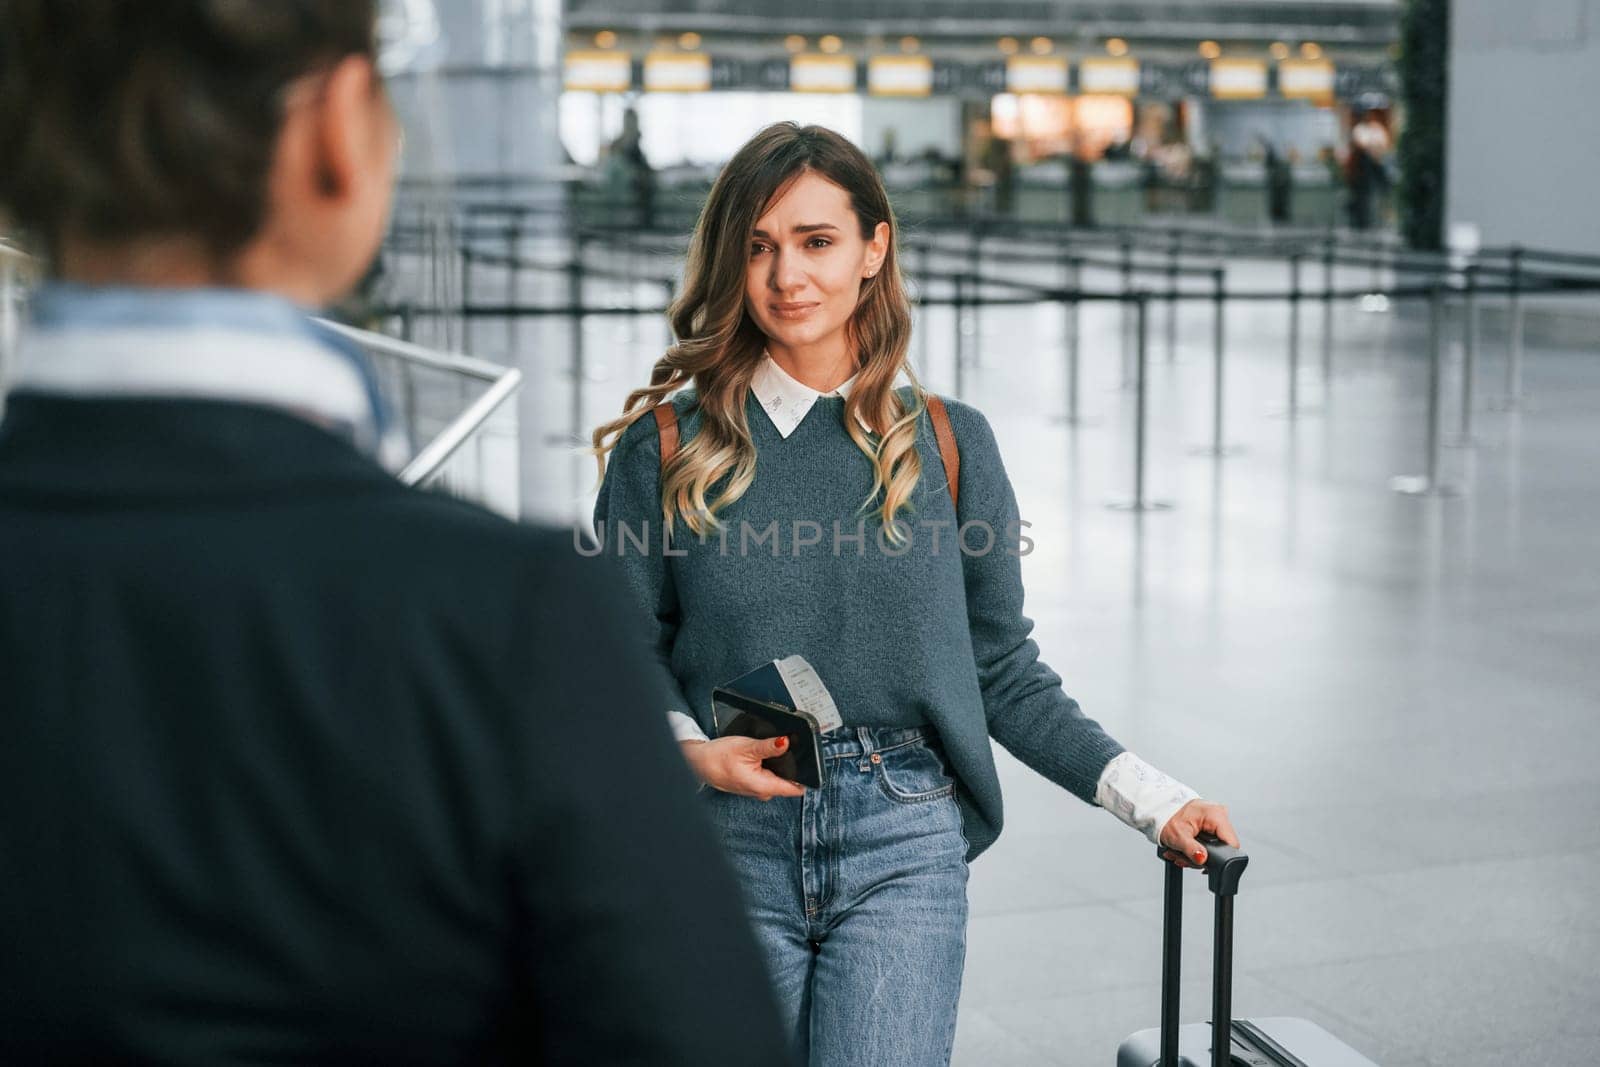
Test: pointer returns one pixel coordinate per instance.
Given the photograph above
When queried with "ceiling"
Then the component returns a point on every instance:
(1371, 23)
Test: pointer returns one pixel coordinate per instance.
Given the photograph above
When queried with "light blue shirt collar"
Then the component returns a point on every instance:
(207, 343)
(58, 305)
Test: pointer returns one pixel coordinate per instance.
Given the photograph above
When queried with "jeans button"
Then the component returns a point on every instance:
(877, 758)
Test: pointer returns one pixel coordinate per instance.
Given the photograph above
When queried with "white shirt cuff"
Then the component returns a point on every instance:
(685, 728)
(1140, 795)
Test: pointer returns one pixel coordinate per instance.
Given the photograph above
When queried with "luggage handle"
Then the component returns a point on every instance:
(1224, 867)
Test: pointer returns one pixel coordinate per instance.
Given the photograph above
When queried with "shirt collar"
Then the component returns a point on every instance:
(786, 400)
(203, 343)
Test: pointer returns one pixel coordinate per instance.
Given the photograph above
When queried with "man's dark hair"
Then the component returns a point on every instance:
(132, 118)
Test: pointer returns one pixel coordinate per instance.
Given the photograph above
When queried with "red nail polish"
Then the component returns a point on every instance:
(783, 742)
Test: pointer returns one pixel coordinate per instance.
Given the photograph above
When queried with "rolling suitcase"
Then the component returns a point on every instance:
(1277, 1042)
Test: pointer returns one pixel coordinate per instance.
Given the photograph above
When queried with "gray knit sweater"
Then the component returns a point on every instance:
(930, 635)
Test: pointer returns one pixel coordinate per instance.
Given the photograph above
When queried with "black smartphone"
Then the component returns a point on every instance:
(741, 716)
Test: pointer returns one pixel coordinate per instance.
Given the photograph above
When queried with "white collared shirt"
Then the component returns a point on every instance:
(786, 399)
(1135, 792)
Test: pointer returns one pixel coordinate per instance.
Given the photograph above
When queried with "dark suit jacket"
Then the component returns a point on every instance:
(298, 764)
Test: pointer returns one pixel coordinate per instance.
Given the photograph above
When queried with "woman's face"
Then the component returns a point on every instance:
(807, 263)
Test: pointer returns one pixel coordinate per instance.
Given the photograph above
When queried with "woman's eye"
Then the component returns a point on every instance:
(815, 242)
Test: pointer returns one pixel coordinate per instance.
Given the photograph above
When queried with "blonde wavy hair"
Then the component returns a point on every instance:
(719, 346)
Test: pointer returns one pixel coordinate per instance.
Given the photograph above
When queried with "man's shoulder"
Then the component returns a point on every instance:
(480, 568)
(456, 534)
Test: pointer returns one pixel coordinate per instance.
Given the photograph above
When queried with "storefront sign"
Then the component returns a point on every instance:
(900, 76)
(822, 74)
(1036, 74)
(598, 72)
(1306, 79)
(677, 72)
(1113, 77)
(1238, 79)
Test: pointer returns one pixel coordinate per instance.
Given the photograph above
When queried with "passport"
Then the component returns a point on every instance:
(781, 697)
(791, 683)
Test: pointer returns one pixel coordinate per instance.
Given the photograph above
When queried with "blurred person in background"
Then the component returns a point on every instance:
(1203, 187)
(1366, 169)
(630, 180)
(998, 169)
(793, 329)
(1280, 180)
(297, 764)
(1080, 178)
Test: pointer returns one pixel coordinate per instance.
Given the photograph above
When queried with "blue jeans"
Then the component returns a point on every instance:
(858, 893)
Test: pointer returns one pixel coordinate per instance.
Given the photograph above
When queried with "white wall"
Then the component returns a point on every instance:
(703, 129)
(476, 84)
(934, 122)
(1523, 142)
(1235, 126)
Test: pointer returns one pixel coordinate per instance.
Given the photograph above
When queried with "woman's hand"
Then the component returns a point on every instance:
(733, 765)
(1180, 835)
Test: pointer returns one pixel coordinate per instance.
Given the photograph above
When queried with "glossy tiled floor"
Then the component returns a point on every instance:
(1399, 698)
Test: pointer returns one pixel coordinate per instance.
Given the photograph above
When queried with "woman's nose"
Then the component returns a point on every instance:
(787, 273)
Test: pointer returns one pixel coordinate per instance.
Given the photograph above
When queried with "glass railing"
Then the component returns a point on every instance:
(457, 408)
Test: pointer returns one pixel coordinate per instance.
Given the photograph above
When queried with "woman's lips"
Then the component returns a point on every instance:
(793, 311)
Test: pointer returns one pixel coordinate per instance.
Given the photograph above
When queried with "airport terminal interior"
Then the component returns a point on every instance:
(1286, 317)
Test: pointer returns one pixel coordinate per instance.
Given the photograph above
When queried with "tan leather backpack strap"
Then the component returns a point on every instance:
(667, 426)
(947, 445)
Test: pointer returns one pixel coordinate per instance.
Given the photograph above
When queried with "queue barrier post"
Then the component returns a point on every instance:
(1173, 254)
(924, 285)
(1296, 295)
(1514, 331)
(1471, 335)
(575, 288)
(514, 278)
(1328, 269)
(976, 270)
(1071, 326)
(466, 297)
(1429, 484)
(960, 354)
(1218, 448)
(1139, 503)
(1127, 309)
(1294, 334)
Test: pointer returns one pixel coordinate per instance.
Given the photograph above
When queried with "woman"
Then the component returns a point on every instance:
(806, 510)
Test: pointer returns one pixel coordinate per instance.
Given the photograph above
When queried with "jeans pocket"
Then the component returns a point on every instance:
(914, 774)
